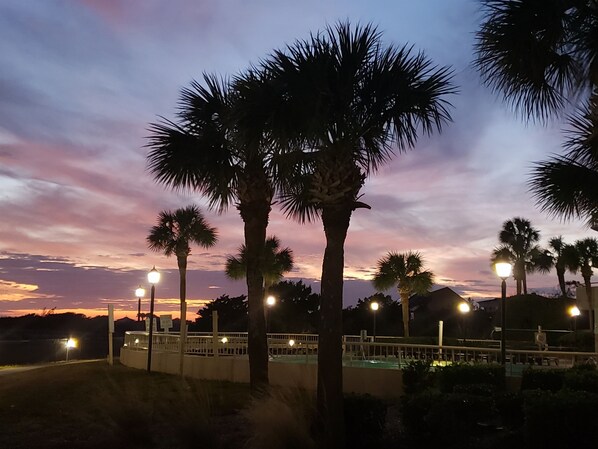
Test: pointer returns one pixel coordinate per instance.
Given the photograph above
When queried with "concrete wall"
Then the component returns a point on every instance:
(383, 383)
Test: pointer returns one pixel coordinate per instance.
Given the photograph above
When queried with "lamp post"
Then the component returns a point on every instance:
(374, 306)
(140, 293)
(464, 308)
(503, 270)
(70, 343)
(574, 312)
(153, 278)
(270, 302)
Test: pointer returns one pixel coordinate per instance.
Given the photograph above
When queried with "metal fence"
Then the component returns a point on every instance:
(385, 352)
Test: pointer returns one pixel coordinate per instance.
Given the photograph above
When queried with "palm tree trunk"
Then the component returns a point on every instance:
(588, 285)
(405, 308)
(182, 263)
(330, 351)
(524, 284)
(560, 274)
(256, 221)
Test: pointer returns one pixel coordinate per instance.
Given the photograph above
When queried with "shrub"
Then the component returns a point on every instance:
(413, 410)
(365, 417)
(281, 420)
(510, 409)
(486, 390)
(463, 374)
(544, 379)
(563, 419)
(417, 377)
(581, 380)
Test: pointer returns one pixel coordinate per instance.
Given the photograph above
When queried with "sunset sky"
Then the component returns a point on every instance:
(80, 80)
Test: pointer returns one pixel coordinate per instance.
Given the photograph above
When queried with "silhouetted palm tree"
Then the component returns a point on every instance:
(274, 264)
(562, 257)
(227, 161)
(519, 246)
(405, 271)
(173, 235)
(345, 103)
(587, 257)
(541, 55)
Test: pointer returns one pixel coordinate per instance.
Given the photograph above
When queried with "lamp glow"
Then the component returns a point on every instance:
(464, 307)
(574, 311)
(291, 343)
(503, 269)
(140, 292)
(270, 300)
(224, 340)
(153, 277)
(374, 306)
(71, 343)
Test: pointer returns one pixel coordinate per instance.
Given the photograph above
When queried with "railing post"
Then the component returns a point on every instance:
(215, 333)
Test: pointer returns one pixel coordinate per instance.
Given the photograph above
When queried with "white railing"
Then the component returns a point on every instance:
(386, 352)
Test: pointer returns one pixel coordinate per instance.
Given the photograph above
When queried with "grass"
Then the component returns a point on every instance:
(93, 405)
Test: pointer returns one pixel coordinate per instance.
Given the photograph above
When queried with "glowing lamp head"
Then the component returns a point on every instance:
(374, 306)
(574, 311)
(464, 307)
(153, 277)
(291, 343)
(140, 292)
(71, 343)
(270, 300)
(503, 269)
(224, 340)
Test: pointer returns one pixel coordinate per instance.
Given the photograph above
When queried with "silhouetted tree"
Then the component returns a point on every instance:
(405, 271)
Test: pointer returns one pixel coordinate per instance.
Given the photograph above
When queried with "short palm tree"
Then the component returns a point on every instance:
(173, 235)
(406, 272)
(563, 257)
(587, 257)
(541, 55)
(346, 102)
(518, 245)
(275, 263)
(210, 152)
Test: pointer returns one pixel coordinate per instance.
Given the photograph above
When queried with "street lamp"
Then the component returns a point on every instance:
(574, 312)
(270, 302)
(70, 343)
(503, 270)
(464, 308)
(140, 293)
(153, 277)
(374, 306)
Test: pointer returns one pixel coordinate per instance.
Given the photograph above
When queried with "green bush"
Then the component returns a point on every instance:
(365, 417)
(413, 410)
(581, 380)
(510, 409)
(417, 377)
(449, 420)
(542, 379)
(486, 390)
(463, 374)
(563, 419)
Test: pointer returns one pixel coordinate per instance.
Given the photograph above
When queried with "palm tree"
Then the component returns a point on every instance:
(210, 152)
(345, 103)
(173, 235)
(562, 257)
(275, 263)
(518, 245)
(566, 185)
(406, 271)
(542, 56)
(587, 256)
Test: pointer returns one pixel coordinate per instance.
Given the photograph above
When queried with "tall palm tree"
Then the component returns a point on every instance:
(518, 245)
(210, 152)
(275, 263)
(346, 102)
(173, 235)
(541, 55)
(406, 271)
(587, 257)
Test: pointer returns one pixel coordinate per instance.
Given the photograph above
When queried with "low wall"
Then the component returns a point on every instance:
(383, 383)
